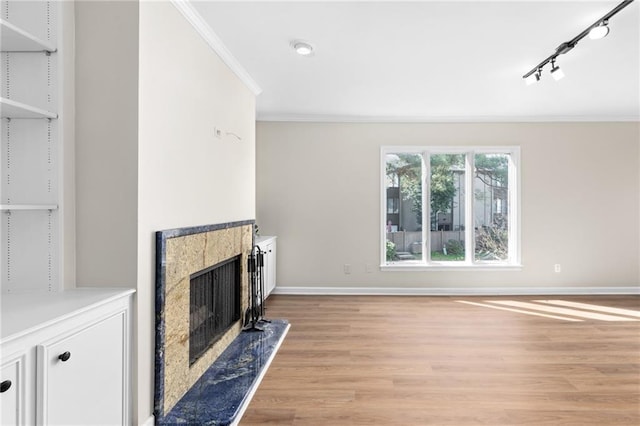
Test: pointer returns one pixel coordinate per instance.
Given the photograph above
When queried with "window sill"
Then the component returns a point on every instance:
(442, 266)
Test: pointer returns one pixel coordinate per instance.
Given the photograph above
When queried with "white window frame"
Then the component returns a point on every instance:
(514, 218)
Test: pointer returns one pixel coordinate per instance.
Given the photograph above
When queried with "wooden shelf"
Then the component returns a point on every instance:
(15, 207)
(15, 39)
(13, 109)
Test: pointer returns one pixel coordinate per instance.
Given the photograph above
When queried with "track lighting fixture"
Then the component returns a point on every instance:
(597, 30)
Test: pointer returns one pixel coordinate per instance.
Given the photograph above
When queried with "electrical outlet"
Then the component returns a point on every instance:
(557, 267)
(368, 268)
(347, 268)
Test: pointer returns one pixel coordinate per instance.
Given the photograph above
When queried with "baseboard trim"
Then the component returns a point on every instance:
(457, 291)
(151, 421)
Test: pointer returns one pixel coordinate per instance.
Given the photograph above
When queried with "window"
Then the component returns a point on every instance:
(450, 207)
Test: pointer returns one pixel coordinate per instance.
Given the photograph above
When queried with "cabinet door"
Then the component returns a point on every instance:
(270, 268)
(82, 376)
(11, 395)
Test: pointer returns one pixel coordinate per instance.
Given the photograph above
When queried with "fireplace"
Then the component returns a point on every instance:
(194, 328)
(214, 306)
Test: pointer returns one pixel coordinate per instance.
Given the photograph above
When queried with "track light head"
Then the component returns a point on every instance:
(599, 31)
(556, 72)
(533, 78)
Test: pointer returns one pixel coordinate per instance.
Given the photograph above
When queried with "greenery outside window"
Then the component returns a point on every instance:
(450, 207)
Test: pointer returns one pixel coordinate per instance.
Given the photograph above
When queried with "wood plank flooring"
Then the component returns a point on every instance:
(369, 360)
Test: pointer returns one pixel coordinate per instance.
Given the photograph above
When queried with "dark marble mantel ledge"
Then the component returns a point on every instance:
(224, 391)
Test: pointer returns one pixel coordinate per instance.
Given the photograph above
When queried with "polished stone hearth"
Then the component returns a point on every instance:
(223, 392)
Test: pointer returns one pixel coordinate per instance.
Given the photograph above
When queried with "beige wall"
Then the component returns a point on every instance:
(106, 142)
(318, 191)
(186, 176)
(149, 95)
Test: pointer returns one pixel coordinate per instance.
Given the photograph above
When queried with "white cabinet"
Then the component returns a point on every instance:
(71, 358)
(12, 391)
(268, 245)
(30, 150)
(66, 396)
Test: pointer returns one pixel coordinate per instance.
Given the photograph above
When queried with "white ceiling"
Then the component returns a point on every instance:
(432, 61)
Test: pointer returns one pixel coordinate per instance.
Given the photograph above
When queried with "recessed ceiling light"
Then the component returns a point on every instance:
(302, 47)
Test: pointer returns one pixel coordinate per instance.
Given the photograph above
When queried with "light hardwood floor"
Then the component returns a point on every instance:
(379, 360)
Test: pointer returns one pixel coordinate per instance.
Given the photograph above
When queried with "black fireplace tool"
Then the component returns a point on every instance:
(255, 267)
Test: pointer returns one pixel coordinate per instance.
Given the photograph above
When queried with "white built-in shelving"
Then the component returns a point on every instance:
(30, 208)
(51, 339)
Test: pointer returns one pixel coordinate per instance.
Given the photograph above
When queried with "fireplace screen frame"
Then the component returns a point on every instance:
(214, 304)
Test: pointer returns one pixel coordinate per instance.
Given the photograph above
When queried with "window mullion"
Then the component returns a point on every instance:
(469, 243)
(383, 206)
(426, 207)
(513, 204)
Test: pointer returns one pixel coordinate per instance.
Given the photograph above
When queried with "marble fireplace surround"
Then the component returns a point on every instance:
(181, 252)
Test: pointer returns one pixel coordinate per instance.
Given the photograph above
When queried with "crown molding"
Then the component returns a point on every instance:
(199, 24)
